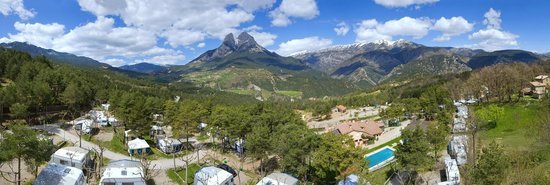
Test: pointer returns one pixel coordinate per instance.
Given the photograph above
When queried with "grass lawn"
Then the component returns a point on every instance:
(171, 173)
(380, 176)
(295, 94)
(389, 143)
(515, 127)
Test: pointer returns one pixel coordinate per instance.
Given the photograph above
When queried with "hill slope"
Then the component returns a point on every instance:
(381, 61)
(143, 68)
(245, 66)
(62, 57)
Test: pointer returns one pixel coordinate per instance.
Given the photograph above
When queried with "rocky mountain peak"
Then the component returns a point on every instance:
(245, 42)
(229, 41)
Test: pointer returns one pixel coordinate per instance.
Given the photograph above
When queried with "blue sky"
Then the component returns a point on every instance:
(176, 31)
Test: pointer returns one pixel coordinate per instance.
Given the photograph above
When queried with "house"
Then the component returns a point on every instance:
(168, 145)
(73, 157)
(122, 172)
(340, 108)
(277, 178)
(543, 79)
(360, 131)
(138, 146)
(60, 175)
(213, 176)
(452, 174)
(538, 89)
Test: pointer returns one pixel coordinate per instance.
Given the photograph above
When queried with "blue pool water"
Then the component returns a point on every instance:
(379, 157)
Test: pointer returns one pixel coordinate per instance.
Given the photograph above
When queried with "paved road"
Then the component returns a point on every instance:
(158, 164)
(389, 135)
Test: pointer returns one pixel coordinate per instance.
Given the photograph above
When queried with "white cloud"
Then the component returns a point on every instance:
(492, 19)
(451, 27)
(263, 38)
(252, 5)
(201, 45)
(178, 24)
(167, 59)
(493, 37)
(99, 40)
(366, 32)
(17, 7)
(306, 9)
(177, 38)
(341, 29)
(402, 3)
(304, 44)
(181, 24)
(371, 30)
(117, 62)
(38, 34)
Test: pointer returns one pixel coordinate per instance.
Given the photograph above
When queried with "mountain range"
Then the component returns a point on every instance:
(385, 61)
(243, 66)
(61, 57)
(144, 67)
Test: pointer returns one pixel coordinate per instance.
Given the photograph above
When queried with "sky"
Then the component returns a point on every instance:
(174, 32)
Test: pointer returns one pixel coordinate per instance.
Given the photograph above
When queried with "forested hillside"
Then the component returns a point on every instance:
(32, 87)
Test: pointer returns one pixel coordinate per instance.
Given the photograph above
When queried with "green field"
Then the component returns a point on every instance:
(515, 127)
(294, 94)
(171, 173)
(241, 91)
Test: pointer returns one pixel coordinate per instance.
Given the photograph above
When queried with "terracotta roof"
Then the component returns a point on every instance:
(370, 127)
(537, 84)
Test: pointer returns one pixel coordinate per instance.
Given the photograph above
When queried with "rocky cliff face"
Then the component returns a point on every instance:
(244, 43)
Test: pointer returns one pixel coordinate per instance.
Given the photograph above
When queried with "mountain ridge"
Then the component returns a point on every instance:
(62, 57)
(144, 67)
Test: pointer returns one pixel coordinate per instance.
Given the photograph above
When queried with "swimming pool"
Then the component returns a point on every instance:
(380, 157)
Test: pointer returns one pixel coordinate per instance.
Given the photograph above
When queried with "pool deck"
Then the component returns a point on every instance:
(383, 163)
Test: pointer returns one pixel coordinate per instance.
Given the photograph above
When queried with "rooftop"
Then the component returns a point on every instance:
(212, 175)
(277, 178)
(124, 168)
(59, 174)
(537, 84)
(137, 144)
(541, 77)
(369, 127)
(74, 153)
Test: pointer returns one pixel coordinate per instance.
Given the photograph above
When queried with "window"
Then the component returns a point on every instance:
(72, 164)
(63, 162)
